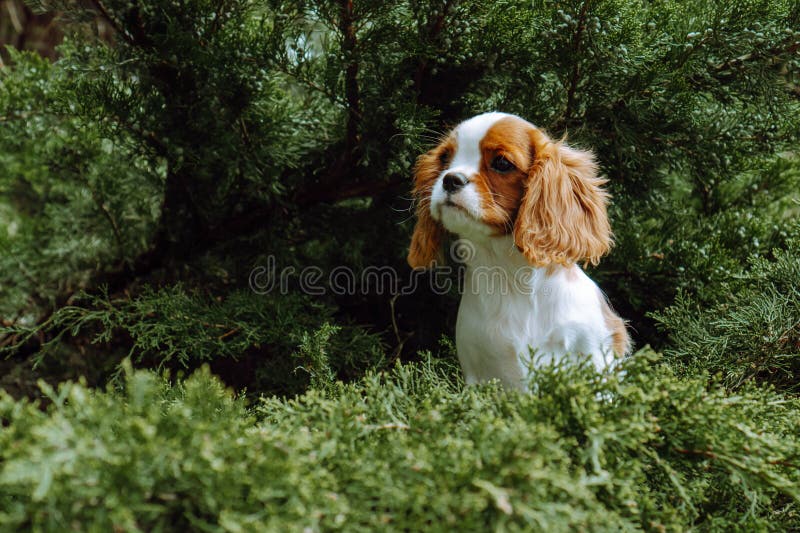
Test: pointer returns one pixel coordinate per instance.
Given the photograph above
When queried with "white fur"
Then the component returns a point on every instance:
(510, 309)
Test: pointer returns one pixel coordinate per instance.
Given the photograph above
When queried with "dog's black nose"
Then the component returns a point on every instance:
(454, 181)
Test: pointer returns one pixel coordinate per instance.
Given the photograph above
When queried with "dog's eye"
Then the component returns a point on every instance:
(444, 158)
(501, 164)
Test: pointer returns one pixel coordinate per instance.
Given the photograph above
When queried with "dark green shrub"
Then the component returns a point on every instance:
(407, 450)
(751, 332)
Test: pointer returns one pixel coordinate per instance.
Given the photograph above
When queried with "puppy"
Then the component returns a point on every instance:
(527, 210)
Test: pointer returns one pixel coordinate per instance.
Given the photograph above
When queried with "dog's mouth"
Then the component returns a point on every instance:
(451, 203)
(453, 211)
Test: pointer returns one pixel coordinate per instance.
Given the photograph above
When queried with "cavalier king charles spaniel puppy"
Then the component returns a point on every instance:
(530, 210)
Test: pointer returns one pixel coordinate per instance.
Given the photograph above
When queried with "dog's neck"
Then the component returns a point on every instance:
(494, 262)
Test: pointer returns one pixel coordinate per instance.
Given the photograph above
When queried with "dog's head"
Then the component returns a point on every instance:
(496, 174)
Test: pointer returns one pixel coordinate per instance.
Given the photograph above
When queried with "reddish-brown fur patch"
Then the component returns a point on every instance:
(552, 201)
(562, 218)
(620, 340)
(502, 191)
(426, 241)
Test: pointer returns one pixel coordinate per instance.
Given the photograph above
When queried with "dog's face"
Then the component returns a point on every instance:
(496, 174)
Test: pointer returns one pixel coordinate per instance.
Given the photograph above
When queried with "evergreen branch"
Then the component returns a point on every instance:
(218, 16)
(432, 35)
(337, 192)
(228, 333)
(397, 351)
(16, 116)
(14, 17)
(101, 206)
(788, 47)
(113, 22)
(703, 453)
(739, 464)
(329, 187)
(310, 83)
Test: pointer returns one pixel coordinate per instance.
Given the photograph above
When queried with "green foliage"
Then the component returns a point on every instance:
(207, 137)
(175, 146)
(674, 247)
(72, 199)
(189, 81)
(686, 104)
(751, 332)
(402, 450)
(175, 328)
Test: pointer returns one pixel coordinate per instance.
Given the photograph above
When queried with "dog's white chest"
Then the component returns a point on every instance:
(553, 316)
(491, 339)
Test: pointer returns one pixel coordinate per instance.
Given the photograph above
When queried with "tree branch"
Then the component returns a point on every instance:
(432, 34)
(113, 22)
(101, 206)
(789, 46)
(339, 192)
(576, 68)
(351, 89)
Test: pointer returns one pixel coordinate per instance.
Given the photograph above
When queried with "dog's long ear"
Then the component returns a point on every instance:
(426, 242)
(562, 218)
